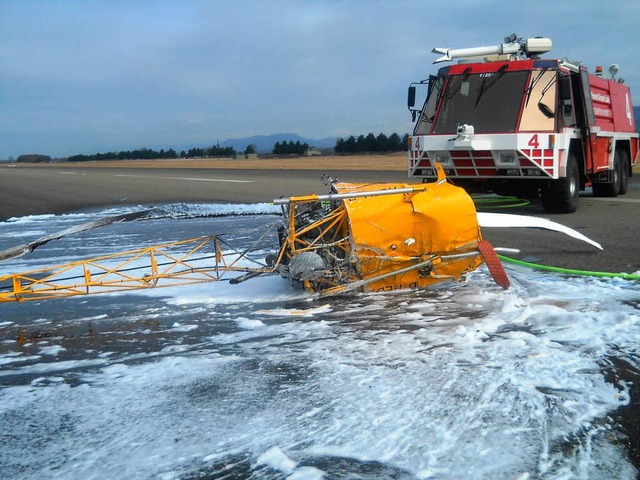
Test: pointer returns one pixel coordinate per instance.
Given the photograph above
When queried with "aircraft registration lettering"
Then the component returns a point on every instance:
(391, 288)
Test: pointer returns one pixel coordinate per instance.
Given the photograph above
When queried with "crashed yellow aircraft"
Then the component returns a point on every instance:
(357, 238)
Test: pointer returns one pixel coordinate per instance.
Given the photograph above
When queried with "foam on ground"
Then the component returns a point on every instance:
(462, 381)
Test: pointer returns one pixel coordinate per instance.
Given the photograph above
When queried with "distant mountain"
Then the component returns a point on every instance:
(636, 115)
(265, 143)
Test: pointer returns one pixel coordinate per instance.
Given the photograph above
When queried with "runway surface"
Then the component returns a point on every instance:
(553, 357)
(259, 380)
(30, 190)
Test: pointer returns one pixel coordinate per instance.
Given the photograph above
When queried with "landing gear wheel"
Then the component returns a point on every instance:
(494, 264)
(561, 195)
(612, 188)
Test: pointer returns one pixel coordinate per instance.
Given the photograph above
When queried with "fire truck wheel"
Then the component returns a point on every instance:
(612, 188)
(624, 172)
(561, 195)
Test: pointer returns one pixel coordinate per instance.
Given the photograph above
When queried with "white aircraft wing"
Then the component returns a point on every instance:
(507, 220)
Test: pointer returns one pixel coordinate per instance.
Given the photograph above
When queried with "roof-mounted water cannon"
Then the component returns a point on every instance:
(514, 47)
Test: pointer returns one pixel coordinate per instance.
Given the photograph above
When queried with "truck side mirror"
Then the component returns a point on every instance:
(411, 97)
(565, 88)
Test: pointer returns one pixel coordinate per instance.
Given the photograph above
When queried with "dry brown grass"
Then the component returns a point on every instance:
(360, 162)
(397, 161)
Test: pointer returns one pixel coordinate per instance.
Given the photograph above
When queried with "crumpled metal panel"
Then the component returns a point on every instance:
(391, 232)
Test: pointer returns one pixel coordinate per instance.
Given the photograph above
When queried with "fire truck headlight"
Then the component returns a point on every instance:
(443, 157)
(506, 159)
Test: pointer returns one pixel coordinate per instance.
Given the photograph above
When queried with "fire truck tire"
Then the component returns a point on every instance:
(561, 195)
(612, 188)
(624, 172)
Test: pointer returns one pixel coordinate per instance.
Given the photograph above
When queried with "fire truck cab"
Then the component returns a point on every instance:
(514, 123)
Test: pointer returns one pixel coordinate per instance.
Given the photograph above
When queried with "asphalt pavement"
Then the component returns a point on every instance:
(613, 222)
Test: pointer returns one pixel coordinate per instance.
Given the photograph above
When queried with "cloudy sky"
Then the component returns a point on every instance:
(105, 75)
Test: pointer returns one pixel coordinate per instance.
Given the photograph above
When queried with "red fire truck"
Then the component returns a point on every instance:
(511, 122)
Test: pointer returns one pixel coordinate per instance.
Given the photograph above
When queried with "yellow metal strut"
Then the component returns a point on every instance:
(156, 266)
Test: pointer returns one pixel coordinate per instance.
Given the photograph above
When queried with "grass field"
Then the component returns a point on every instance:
(392, 162)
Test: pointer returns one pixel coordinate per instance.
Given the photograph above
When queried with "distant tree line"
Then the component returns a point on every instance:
(149, 154)
(360, 144)
(142, 153)
(290, 147)
(34, 158)
(372, 143)
(215, 151)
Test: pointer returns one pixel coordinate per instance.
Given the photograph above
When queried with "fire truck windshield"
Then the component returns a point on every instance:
(488, 101)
